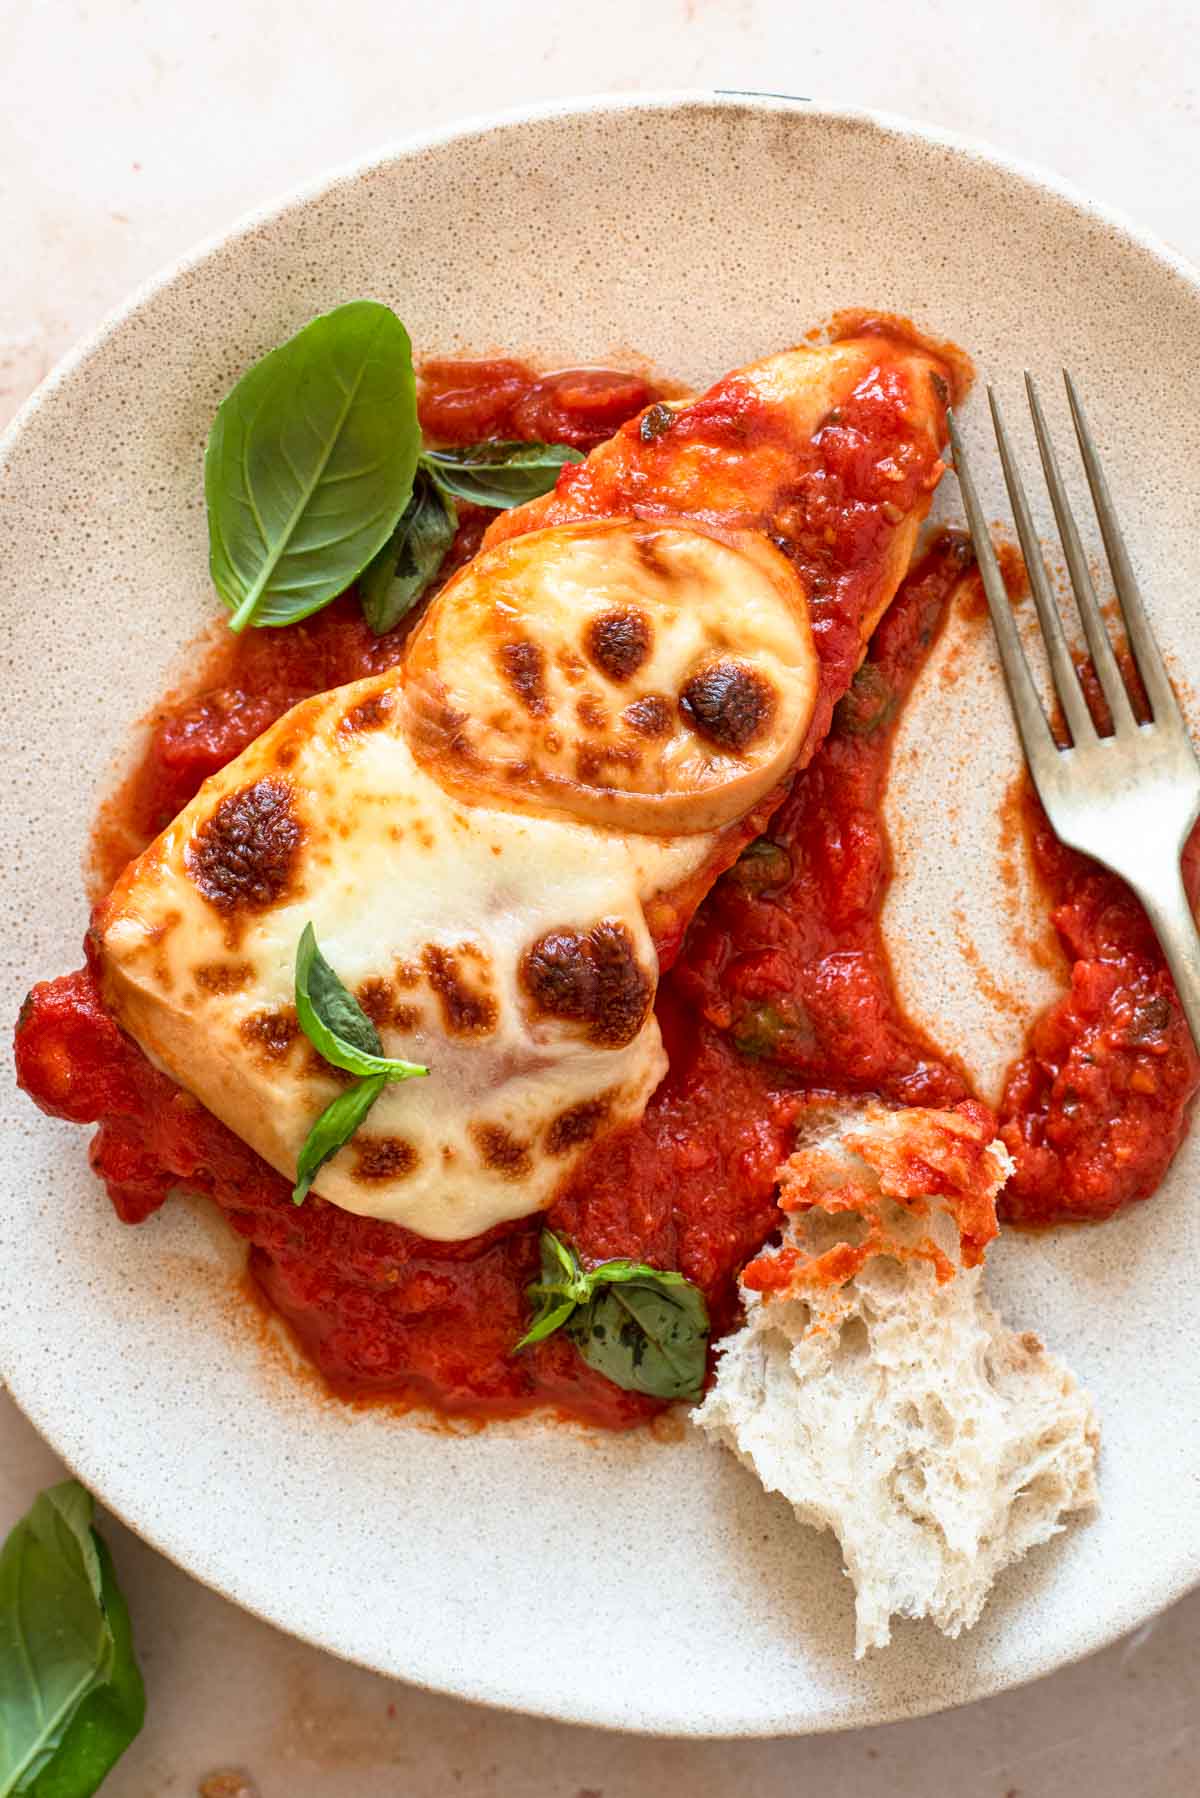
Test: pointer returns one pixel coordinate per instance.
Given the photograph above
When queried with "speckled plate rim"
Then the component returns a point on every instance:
(480, 124)
(1159, 1593)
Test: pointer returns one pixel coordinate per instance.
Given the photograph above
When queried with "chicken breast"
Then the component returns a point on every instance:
(500, 842)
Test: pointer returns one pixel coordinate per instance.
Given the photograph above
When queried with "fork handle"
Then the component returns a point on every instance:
(1175, 926)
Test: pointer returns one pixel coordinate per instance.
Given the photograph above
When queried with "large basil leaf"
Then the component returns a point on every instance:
(310, 464)
(335, 1126)
(411, 557)
(498, 474)
(71, 1695)
(646, 1333)
(336, 1024)
(644, 1328)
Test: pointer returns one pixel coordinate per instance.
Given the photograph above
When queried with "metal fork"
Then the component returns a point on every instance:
(1129, 799)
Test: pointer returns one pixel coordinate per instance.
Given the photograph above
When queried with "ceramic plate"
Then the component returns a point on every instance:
(637, 1582)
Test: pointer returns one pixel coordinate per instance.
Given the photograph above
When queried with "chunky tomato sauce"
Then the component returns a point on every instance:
(691, 1187)
(1097, 1106)
(780, 993)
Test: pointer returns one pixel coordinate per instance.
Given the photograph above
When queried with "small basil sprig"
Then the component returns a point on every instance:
(343, 1035)
(333, 1129)
(498, 474)
(71, 1695)
(495, 475)
(335, 1023)
(643, 1328)
(394, 582)
(310, 464)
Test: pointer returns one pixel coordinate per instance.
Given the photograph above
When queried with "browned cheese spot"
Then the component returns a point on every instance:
(446, 729)
(573, 667)
(466, 1011)
(381, 1005)
(524, 667)
(378, 1158)
(375, 997)
(618, 642)
(222, 977)
(406, 975)
(243, 857)
(501, 1151)
(652, 559)
(729, 704)
(591, 713)
(594, 979)
(593, 760)
(650, 717)
(270, 1033)
(577, 1125)
(156, 942)
(368, 714)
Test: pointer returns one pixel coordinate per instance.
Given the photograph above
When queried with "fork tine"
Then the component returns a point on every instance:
(1039, 745)
(1062, 668)
(1103, 659)
(1142, 640)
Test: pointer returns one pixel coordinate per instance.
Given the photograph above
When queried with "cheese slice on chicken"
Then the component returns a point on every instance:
(508, 953)
(651, 677)
(487, 839)
(830, 450)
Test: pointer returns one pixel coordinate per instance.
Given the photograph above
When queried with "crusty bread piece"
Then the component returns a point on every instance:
(893, 1406)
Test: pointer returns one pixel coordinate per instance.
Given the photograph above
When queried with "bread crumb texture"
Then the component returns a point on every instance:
(874, 1386)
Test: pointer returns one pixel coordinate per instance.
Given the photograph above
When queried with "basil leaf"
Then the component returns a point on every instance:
(498, 474)
(71, 1695)
(551, 1315)
(561, 1266)
(335, 1126)
(647, 1334)
(310, 464)
(645, 1329)
(610, 1272)
(335, 1023)
(109, 1717)
(392, 584)
(563, 1285)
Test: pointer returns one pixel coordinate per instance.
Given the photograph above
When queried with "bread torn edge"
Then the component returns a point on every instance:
(875, 1387)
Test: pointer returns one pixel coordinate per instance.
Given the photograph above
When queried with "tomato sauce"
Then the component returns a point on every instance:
(1096, 1107)
(464, 402)
(781, 993)
(804, 1004)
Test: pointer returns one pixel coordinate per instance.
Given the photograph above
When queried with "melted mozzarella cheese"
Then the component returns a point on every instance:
(640, 675)
(585, 712)
(507, 952)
